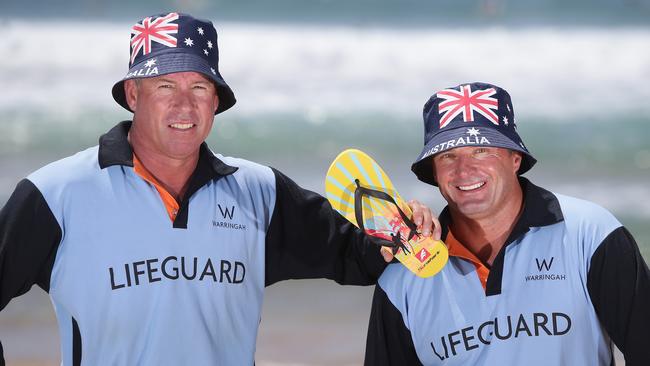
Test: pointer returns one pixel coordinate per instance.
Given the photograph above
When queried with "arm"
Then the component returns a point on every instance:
(389, 342)
(619, 287)
(307, 238)
(29, 238)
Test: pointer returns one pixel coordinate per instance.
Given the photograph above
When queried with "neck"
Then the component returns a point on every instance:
(172, 174)
(485, 236)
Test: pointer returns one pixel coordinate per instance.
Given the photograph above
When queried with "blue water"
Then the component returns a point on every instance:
(311, 82)
(419, 13)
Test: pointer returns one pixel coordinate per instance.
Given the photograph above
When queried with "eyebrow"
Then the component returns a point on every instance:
(166, 80)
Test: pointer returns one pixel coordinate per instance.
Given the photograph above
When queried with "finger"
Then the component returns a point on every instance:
(387, 254)
(418, 215)
(437, 228)
(423, 218)
(427, 222)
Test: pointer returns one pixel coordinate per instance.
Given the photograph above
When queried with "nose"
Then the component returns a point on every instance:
(184, 100)
(465, 164)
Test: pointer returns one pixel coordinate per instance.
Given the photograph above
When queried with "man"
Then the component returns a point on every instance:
(154, 250)
(534, 278)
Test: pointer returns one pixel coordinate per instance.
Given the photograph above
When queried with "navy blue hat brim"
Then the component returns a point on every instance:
(173, 61)
(460, 137)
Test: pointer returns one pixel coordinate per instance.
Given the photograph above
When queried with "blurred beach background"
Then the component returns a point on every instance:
(315, 77)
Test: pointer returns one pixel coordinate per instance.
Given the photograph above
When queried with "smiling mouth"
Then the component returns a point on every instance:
(471, 187)
(182, 126)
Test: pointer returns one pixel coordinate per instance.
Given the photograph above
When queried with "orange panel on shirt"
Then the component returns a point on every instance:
(457, 249)
(170, 202)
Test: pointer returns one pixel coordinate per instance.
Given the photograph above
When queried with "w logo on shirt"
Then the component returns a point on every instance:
(544, 264)
(227, 212)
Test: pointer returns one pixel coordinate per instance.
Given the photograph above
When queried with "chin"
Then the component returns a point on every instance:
(473, 210)
(183, 153)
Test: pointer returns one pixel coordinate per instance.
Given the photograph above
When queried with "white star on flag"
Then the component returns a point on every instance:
(473, 132)
(214, 72)
(189, 42)
(150, 63)
(205, 51)
(508, 106)
(505, 120)
(200, 30)
(210, 44)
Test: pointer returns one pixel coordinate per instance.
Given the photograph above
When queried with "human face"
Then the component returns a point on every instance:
(173, 114)
(479, 182)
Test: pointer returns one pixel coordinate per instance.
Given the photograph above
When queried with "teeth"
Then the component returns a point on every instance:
(182, 126)
(473, 186)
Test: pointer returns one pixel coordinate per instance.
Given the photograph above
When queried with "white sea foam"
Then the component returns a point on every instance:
(559, 73)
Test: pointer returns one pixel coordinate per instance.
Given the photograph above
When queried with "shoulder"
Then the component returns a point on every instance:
(396, 281)
(587, 218)
(251, 180)
(394, 276)
(572, 206)
(78, 168)
(249, 171)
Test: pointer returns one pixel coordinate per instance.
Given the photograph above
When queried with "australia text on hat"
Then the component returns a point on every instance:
(148, 69)
(467, 102)
(472, 139)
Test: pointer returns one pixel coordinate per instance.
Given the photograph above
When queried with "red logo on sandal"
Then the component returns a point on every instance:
(423, 255)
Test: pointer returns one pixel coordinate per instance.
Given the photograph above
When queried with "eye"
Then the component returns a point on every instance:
(445, 157)
(482, 153)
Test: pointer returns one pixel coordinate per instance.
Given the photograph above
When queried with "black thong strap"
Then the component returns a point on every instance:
(396, 241)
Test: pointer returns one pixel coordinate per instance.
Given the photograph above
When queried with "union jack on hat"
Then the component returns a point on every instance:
(174, 42)
(473, 114)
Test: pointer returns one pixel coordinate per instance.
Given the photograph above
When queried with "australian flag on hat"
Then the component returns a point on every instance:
(174, 42)
(471, 114)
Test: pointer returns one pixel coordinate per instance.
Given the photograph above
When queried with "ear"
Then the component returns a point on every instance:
(516, 160)
(131, 93)
(433, 171)
(216, 101)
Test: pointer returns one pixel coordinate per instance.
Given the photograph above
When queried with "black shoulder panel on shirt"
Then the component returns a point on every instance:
(389, 342)
(76, 344)
(307, 238)
(29, 239)
(619, 287)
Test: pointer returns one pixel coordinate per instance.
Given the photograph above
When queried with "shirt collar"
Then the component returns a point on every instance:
(541, 208)
(114, 149)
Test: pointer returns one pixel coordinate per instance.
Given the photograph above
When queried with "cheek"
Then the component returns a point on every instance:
(508, 169)
(151, 104)
(205, 105)
(435, 170)
(441, 175)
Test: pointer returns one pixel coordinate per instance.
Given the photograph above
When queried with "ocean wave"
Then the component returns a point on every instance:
(559, 73)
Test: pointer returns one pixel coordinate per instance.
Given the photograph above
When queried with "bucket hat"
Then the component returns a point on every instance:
(174, 42)
(472, 114)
